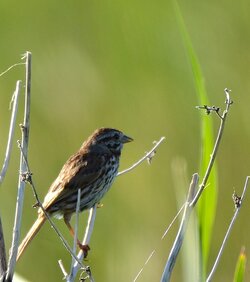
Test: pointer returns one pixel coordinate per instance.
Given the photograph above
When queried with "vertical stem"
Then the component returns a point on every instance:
(3, 263)
(71, 278)
(237, 210)
(21, 184)
(215, 149)
(26, 122)
(181, 232)
(87, 235)
(11, 130)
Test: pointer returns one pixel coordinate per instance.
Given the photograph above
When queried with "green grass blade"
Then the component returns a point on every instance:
(240, 267)
(207, 203)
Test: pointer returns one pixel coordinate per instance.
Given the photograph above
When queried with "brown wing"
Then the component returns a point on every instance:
(78, 172)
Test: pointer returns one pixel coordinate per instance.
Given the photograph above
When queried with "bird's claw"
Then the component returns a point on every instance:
(84, 248)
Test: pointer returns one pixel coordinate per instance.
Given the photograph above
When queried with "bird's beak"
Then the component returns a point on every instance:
(126, 139)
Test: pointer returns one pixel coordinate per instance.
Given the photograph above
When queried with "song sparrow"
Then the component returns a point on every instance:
(92, 169)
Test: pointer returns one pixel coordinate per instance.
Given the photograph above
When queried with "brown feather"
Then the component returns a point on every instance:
(30, 235)
(78, 172)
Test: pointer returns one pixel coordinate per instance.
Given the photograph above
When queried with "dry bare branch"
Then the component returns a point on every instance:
(11, 130)
(3, 261)
(11, 67)
(223, 117)
(238, 203)
(181, 232)
(147, 156)
(191, 204)
(21, 184)
(86, 240)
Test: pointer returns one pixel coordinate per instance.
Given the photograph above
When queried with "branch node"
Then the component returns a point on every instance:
(148, 156)
(228, 100)
(151, 155)
(237, 200)
(22, 127)
(87, 271)
(26, 177)
(63, 269)
(210, 109)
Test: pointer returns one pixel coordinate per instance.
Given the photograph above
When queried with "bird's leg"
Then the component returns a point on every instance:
(84, 248)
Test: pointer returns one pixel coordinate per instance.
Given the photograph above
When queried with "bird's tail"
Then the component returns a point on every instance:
(31, 234)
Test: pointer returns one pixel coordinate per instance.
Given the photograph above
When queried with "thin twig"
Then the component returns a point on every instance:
(236, 212)
(65, 274)
(172, 222)
(162, 237)
(88, 276)
(86, 240)
(75, 235)
(90, 226)
(76, 221)
(147, 155)
(215, 149)
(11, 130)
(3, 261)
(21, 184)
(181, 232)
(11, 67)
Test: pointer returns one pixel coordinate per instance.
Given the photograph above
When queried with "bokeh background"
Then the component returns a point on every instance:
(122, 64)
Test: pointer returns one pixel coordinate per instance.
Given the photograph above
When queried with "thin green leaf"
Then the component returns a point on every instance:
(207, 203)
(240, 267)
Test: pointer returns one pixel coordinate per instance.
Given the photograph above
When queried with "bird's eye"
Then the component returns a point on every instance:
(116, 136)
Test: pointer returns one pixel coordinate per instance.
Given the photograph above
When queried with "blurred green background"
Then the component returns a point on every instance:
(122, 64)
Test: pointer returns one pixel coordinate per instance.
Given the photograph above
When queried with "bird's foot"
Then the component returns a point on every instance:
(84, 248)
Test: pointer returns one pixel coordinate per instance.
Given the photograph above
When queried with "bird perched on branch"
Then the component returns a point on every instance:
(92, 169)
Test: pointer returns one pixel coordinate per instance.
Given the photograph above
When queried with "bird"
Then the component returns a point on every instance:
(92, 169)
